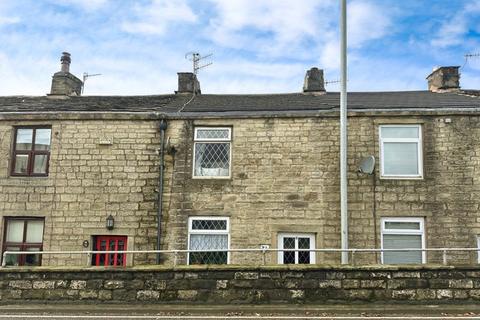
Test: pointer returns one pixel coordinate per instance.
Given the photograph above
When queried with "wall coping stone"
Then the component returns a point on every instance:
(423, 267)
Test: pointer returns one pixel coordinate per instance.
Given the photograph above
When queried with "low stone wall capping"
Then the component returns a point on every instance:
(243, 284)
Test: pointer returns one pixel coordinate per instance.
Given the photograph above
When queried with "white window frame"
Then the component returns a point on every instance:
(420, 232)
(282, 235)
(205, 140)
(418, 141)
(478, 246)
(217, 232)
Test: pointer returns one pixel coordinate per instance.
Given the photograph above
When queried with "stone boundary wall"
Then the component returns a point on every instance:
(236, 284)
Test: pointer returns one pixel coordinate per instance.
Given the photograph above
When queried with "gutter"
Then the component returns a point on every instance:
(162, 127)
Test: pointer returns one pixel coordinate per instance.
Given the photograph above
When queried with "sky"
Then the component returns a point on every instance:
(257, 46)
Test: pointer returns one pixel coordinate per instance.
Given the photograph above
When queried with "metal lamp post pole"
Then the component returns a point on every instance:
(343, 132)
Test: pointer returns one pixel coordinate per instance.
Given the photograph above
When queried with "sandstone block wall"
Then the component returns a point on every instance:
(284, 178)
(229, 284)
(89, 179)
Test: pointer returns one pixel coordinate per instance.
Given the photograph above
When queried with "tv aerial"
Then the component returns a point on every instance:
(195, 57)
(87, 75)
(470, 56)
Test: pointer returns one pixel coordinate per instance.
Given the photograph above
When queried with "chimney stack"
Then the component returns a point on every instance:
(444, 79)
(63, 82)
(314, 82)
(188, 83)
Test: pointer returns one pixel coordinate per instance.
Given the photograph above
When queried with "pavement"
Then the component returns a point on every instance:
(278, 312)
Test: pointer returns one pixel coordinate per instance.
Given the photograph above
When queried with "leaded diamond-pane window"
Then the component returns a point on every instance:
(291, 246)
(209, 224)
(208, 237)
(212, 152)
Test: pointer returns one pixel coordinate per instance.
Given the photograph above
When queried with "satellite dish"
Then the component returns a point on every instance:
(367, 165)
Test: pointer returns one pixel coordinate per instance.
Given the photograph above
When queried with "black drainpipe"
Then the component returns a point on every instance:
(162, 127)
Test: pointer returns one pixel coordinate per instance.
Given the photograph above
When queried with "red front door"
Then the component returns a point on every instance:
(110, 243)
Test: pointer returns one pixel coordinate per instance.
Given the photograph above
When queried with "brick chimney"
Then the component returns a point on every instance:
(444, 79)
(314, 81)
(188, 83)
(63, 82)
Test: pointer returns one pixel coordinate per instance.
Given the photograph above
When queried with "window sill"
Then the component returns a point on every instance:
(211, 178)
(401, 178)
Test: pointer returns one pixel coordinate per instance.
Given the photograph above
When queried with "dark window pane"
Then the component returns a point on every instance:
(209, 225)
(208, 257)
(288, 243)
(24, 139)
(288, 257)
(32, 259)
(21, 163)
(303, 257)
(42, 139)
(303, 243)
(40, 163)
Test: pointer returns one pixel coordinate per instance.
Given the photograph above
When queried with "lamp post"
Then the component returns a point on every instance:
(343, 132)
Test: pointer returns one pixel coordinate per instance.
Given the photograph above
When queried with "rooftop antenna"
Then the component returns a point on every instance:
(195, 57)
(87, 75)
(470, 56)
(332, 81)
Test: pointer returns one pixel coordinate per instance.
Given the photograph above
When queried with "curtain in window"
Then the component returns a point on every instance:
(212, 159)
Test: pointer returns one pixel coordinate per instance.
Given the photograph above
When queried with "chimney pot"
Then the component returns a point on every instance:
(444, 79)
(66, 60)
(188, 83)
(314, 81)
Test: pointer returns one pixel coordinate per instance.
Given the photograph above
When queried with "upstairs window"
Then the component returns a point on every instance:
(31, 151)
(401, 151)
(212, 152)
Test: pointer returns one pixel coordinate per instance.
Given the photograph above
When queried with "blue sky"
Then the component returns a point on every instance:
(258, 46)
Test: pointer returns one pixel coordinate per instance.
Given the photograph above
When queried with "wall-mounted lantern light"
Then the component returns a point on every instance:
(110, 222)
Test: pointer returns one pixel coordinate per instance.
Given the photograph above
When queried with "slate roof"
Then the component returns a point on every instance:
(242, 103)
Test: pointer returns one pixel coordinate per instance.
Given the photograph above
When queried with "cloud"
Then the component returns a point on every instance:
(367, 22)
(271, 27)
(88, 5)
(156, 17)
(453, 31)
(8, 20)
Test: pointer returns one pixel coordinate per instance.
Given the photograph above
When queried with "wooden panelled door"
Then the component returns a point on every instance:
(110, 243)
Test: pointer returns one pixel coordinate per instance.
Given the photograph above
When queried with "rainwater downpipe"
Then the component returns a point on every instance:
(162, 126)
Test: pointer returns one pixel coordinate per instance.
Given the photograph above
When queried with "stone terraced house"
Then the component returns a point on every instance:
(81, 173)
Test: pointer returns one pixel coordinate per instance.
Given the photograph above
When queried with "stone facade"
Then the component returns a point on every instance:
(284, 179)
(240, 285)
(97, 168)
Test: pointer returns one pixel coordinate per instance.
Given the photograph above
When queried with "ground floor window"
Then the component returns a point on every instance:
(478, 246)
(403, 233)
(23, 234)
(210, 237)
(109, 243)
(291, 245)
